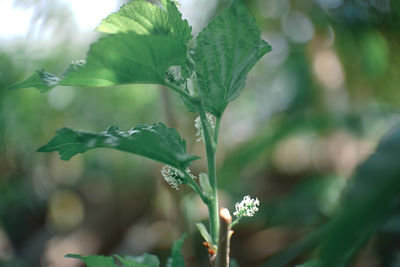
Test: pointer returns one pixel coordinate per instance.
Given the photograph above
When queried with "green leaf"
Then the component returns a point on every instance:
(310, 241)
(145, 40)
(312, 263)
(146, 260)
(156, 142)
(143, 17)
(204, 233)
(369, 201)
(117, 59)
(176, 259)
(41, 80)
(226, 51)
(233, 263)
(95, 260)
(128, 58)
(205, 185)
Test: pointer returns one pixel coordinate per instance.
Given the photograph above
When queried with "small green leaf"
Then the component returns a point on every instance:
(226, 51)
(204, 233)
(44, 81)
(156, 142)
(312, 263)
(176, 259)
(205, 185)
(233, 263)
(41, 80)
(143, 17)
(146, 260)
(95, 260)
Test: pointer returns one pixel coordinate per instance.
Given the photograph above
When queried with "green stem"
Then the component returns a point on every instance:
(210, 151)
(216, 131)
(179, 90)
(236, 221)
(211, 145)
(195, 187)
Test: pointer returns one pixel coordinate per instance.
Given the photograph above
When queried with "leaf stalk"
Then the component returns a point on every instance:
(180, 91)
(195, 187)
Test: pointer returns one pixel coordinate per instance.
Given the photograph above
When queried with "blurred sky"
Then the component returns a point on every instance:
(19, 18)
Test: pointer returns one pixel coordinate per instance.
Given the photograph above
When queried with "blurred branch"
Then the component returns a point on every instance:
(225, 233)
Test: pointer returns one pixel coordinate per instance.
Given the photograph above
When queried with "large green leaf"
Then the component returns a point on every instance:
(146, 260)
(143, 17)
(117, 59)
(226, 51)
(370, 199)
(176, 259)
(128, 58)
(145, 40)
(156, 142)
(368, 202)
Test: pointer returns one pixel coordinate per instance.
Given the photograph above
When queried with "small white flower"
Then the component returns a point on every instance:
(172, 176)
(199, 127)
(247, 207)
(190, 174)
(175, 177)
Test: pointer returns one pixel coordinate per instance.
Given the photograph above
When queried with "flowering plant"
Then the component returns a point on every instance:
(150, 43)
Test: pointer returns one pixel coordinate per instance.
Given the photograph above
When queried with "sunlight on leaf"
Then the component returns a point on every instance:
(143, 17)
(144, 41)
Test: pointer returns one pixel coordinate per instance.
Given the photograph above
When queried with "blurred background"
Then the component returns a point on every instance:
(313, 109)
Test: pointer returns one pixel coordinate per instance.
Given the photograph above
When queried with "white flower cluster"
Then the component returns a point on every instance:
(247, 207)
(199, 127)
(190, 174)
(173, 176)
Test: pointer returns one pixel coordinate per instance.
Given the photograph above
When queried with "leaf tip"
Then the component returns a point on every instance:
(74, 256)
(12, 87)
(41, 149)
(267, 47)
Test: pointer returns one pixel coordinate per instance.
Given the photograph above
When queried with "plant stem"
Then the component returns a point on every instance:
(179, 91)
(210, 151)
(195, 187)
(216, 131)
(236, 221)
(211, 146)
(224, 238)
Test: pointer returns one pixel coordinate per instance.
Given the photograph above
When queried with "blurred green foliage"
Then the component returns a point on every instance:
(312, 110)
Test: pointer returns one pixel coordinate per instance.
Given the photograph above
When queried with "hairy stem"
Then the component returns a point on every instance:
(210, 150)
